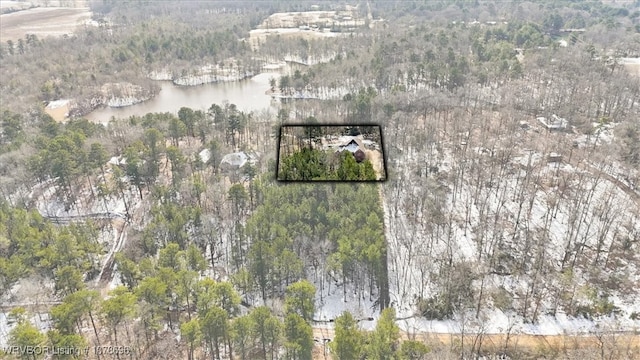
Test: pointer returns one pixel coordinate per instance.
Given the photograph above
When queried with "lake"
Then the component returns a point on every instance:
(248, 95)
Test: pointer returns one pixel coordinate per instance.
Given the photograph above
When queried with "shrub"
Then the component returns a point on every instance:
(435, 308)
(502, 299)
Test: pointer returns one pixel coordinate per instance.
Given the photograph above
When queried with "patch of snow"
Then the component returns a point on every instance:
(274, 66)
(633, 61)
(41, 321)
(57, 103)
(205, 155)
(116, 161)
(201, 79)
(472, 209)
(161, 75)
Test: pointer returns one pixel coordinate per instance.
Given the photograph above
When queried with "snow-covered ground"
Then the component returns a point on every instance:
(484, 215)
(57, 103)
(40, 321)
(52, 206)
(331, 303)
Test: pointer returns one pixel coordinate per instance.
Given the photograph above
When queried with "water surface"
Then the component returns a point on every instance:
(248, 95)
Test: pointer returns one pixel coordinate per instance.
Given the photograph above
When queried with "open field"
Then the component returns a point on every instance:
(307, 25)
(58, 110)
(42, 22)
(309, 18)
(632, 64)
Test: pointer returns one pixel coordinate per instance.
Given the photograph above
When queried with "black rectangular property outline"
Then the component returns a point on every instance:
(382, 147)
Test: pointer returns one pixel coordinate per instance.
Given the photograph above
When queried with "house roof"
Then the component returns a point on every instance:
(234, 159)
(555, 122)
(351, 140)
(352, 145)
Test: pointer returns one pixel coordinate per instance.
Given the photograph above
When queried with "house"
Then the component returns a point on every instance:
(352, 145)
(554, 123)
(355, 146)
(235, 161)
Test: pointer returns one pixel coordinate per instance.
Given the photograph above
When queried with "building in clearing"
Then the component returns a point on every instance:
(235, 161)
(554, 123)
(355, 146)
(352, 145)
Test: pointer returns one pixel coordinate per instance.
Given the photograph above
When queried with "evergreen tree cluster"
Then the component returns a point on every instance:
(31, 245)
(335, 224)
(383, 343)
(312, 164)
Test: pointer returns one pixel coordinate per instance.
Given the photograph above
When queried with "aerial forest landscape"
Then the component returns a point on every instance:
(420, 179)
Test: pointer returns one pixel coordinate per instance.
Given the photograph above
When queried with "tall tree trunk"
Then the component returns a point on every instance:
(95, 331)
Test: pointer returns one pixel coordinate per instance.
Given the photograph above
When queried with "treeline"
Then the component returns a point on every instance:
(427, 56)
(435, 55)
(64, 155)
(213, 322)
(31, 245)
(334, 229)
(573, 14)
(312, 164)
(382, 343)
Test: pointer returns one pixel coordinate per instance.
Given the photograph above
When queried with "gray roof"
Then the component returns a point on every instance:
(235, 159)
(353, 144)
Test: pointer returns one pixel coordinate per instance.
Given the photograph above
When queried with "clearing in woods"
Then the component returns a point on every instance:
(42, 22)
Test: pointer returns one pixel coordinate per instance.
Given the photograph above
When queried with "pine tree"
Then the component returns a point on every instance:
(118, 308)
(267, 329)
(24, 335)
(299, 338)
(348, 341)
(241, 335)
(300, 299)
(190, 332)
(384, 340)
(214, 326)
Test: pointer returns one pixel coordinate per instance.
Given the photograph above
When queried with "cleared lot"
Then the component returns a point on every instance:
(632, 64)
(42, 22)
